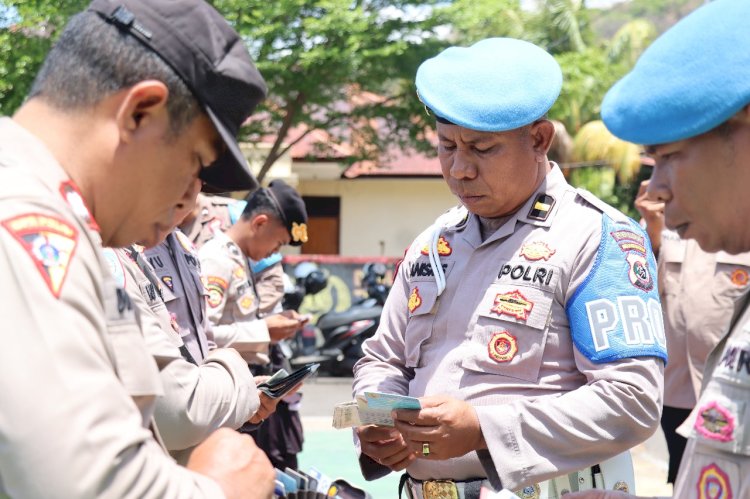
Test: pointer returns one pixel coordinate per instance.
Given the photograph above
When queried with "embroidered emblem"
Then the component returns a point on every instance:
(621, 486)
(115, 266)
(49, 241)
(514, 304)
(439, 489)
(536, 251)
(239, 273)
(73, 197)
(713, 483)
(542, 207)
(502, 347)
(630, 241)
(216, 287)
(638, 273)
(299, 232)
(715, 422)
(167, 280)
(443, 247)
(246, 302)
(530, 492)
(414, 300)
(740, 277)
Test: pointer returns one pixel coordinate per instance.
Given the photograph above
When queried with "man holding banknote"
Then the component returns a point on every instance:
(526, 321)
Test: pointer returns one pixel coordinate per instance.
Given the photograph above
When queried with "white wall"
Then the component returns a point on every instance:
(382, 216)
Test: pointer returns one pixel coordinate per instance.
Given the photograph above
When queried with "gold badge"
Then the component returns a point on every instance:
(536, 251)
(740, 277)
(514, 304)
(246, 302)
(622, 487)
(439, 489)
(444, 248)
(414, 300)
(299, 232)
(502, 347)
(530, 492)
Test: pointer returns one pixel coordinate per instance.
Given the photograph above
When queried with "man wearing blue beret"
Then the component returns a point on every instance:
(527, 320)
(688, 100)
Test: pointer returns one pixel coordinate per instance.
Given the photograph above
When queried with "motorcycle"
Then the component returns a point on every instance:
(339, 335)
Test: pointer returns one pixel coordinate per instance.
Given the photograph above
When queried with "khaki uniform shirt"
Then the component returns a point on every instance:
(215, 215)
(269, 286)
(716, 462)
(232, 300)
(198, 399)
(79, 384)
(699, 295)
(550, 328)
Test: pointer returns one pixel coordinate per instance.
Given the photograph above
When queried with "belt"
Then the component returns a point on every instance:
(443, 489)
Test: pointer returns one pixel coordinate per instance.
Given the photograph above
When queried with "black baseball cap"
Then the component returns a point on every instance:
(204, 50)
(291, 209)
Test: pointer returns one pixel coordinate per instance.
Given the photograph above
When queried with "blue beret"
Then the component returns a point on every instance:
(495, 85)
(690, 80)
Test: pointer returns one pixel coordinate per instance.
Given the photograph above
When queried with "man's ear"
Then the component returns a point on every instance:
(142, 106)
(258, 221)
(542, 132)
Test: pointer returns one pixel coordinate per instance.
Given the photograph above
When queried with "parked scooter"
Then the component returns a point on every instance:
(340, 334)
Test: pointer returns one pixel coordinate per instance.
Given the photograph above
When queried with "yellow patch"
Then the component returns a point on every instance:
(439, 489)
(49, 241)
(414, 300)
(443, 247)
(299, 232)
(514, 304)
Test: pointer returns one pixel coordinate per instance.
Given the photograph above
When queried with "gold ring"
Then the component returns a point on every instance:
(425, 449)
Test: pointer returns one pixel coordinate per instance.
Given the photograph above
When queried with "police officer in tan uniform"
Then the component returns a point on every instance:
(79, 389)
(688, 100)
(527, 321)
(700, 295)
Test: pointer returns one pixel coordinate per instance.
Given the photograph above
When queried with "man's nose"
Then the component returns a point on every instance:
(658, 187)
(463, 166)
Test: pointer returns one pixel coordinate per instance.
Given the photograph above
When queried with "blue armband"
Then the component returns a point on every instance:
(616, 312)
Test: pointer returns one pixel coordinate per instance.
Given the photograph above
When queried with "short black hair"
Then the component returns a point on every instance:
(93, 59)
(260, 202)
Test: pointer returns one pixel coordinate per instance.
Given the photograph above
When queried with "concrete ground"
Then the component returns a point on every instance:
(332, 451)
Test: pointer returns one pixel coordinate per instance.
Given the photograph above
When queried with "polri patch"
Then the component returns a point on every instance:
(414, 300)
(216, 287)
(502, 347)
(443, 247)
(739, 277)
(714, 483)
(715, 422)
(49, 241)
(514, 304)
(542, 207)
(536, 250)
(639, 275)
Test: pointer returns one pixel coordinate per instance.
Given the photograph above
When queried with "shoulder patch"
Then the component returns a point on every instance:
(216, 287)
(616, 313)
(49, 241)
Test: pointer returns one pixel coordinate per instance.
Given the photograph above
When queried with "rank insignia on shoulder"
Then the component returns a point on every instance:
(739, 277)
(514, 304)
(414, 300)
(714, 482)
(167, 280)
(49, 241)
(536, 250)
(502, 347)
(542, 207)
(444, 248)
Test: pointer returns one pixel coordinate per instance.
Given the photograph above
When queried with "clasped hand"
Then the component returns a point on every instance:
(449, 426)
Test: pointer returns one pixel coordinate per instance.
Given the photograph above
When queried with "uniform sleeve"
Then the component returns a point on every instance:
(244, 336)
(270, 288)
(382, 368)
(69, 426)
(197, 400)
(533, 439)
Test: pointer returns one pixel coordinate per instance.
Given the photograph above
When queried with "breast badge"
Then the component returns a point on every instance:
(502, 347)
(530, 492)
(536, 251)
(49, 241)
(715, 422)
(414, 300)
(740, 277)
(216, 287)
(443, 247)
(246, 304)
(714, 483)
(514, 304)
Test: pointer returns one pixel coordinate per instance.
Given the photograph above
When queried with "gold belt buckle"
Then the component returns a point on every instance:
(439, 489)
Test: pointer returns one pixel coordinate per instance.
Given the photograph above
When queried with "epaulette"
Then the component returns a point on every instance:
(600, 205)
